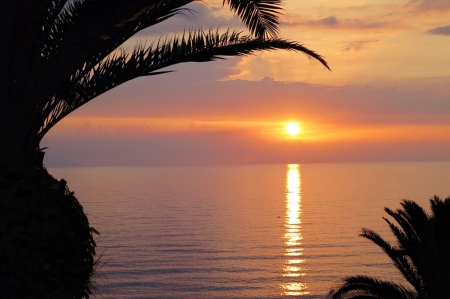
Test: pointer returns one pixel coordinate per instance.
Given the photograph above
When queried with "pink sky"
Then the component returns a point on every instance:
(386, 99)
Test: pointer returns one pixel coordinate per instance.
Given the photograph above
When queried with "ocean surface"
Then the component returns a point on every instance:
(260, 231)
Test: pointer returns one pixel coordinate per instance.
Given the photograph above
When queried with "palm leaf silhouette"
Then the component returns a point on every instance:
(422, 255)
(260, 16)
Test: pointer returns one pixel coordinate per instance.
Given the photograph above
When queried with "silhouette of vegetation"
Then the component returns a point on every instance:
(57, 55)
(422, 255)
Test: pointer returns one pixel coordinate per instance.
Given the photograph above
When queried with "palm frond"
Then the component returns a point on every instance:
(440, 208)
(402, 219)
(368, 287)
(398, 257)
(423, 246)
(194, 46)
(87, 31)
(418, 219)
(402, 238)
(260, 16)
(422, 253)
(441, 222)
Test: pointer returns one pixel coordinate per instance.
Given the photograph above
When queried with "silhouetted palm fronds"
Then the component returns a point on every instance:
(422, 255)
(260, 16)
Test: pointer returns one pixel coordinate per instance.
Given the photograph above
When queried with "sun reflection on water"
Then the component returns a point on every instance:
(293, 265)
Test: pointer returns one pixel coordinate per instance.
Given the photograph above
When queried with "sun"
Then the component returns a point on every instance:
(292, 128)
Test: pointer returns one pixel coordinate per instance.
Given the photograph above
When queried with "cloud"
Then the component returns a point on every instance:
(358, 46)
(330, 21)
(203, 98)
(337, 23)
(358, 8)
(445, 30)
(430, 5)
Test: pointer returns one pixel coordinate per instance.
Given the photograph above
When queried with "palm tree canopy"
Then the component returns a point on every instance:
(422, 255)
(56, 54)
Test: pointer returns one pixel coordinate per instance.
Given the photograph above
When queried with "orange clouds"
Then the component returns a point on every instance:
(267, 100)
(333, 22)
(429, 5)
(444, 30)
(358, 45)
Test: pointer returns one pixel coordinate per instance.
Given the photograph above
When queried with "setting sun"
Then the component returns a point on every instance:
(292, 128)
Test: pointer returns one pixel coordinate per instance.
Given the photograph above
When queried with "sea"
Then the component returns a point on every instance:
(252, 231)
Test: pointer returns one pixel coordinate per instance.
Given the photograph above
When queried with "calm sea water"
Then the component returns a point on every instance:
(267, 231)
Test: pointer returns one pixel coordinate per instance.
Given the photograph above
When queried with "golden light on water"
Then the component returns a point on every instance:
(293, 265)
(294, 289)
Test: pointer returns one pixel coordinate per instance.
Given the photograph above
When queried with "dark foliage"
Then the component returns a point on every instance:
(47, 246)
(422, 255)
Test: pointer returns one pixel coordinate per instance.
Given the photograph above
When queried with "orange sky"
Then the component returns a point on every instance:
(386, 99)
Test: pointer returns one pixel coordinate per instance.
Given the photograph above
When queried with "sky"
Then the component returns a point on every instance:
(386, 98)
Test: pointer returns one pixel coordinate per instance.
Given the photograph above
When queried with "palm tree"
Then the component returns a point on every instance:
(422, 255)
(57, 55)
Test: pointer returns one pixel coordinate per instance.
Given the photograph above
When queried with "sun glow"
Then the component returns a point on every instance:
(292, 128)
